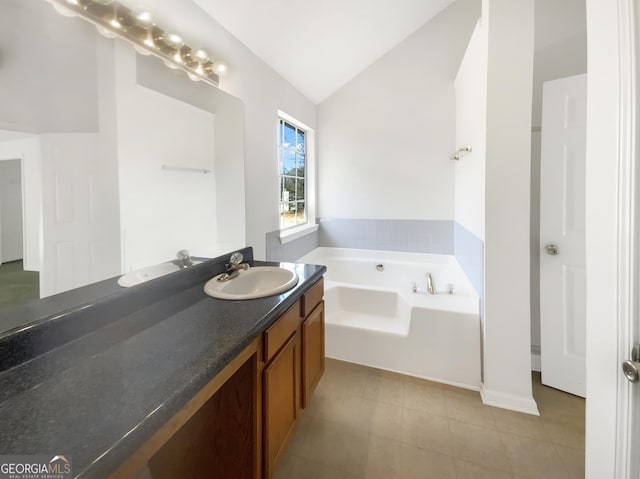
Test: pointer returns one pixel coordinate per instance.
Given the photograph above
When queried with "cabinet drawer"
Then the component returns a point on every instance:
(281, 331)
(312, 297)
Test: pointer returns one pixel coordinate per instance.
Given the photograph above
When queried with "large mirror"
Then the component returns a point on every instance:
(109, 161)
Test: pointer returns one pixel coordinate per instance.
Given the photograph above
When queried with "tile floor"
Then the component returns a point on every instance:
(364, 423)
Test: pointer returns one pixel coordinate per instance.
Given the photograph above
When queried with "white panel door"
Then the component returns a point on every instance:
(80, 214)
(562, 235)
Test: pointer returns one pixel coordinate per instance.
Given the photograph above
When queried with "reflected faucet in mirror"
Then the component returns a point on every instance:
(183, 259)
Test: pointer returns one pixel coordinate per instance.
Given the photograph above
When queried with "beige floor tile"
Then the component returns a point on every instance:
(518, 423)
(564, 430)
(553, 401)
(383, 460)
(380, 419)
(294, 467)
(340, 408)
(424, 396)
(469, 470)
(455, 391)
(343, 380)
(532, 457)
(334, 445)
(478, 445)
(351, 427)
(467, 409)
(573, 460)
(387, 388)
(418, 463)
(427, 431)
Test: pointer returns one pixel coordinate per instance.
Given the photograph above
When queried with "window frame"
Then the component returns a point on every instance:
(291, 232)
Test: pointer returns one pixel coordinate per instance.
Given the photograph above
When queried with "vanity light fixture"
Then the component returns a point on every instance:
(112, 19)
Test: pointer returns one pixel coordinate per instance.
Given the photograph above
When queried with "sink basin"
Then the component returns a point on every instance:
(256, 282)
(148, 273)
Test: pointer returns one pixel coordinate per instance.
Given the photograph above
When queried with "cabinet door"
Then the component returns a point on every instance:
(312, 352)
(281, 382)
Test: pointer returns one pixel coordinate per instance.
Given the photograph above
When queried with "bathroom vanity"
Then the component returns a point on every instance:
(162, 381)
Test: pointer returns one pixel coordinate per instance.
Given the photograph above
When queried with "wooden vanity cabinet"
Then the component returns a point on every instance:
(312, 340)
(294, 363)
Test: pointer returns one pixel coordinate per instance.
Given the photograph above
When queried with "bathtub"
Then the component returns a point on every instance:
(374, 317)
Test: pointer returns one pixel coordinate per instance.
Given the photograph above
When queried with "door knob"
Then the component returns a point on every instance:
(552, 249)
(631, 368)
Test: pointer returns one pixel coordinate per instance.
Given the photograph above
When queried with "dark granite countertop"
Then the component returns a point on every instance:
(100, 395)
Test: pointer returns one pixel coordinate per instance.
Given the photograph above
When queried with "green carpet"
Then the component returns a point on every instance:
(16, 285)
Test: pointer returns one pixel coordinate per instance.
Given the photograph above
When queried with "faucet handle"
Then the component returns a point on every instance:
(182, 254)
(236, 258)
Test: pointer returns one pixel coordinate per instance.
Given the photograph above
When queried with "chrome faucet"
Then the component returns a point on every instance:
(234, 267)
(183, 259)
(431, 287)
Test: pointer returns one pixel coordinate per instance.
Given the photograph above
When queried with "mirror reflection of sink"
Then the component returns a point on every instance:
(255, 282)
(142, 275)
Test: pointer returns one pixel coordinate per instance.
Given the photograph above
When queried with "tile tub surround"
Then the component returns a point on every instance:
(415, 236)
(469, 251)
(103, 390)
(291, 251)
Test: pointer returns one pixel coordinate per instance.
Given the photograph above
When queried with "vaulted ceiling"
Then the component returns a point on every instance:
(319, 45)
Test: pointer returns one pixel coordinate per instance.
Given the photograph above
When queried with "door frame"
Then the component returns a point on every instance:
(612, 235)
(20, 159)
(628, 244)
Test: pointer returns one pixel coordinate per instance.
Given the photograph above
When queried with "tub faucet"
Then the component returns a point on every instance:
(431, 287)
(183, 259)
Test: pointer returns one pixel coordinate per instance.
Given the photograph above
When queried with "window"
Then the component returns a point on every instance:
(292, 157)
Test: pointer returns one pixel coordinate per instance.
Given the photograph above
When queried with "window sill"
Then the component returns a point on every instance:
(298, 232)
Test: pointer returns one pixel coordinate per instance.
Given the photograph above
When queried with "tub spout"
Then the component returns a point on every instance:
(431, 287)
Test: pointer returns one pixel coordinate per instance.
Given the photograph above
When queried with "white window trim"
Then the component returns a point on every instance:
(294, 232)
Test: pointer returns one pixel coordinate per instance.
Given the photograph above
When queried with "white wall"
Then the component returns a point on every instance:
(507, 358)
(386, 137)
(471, 108)
(28, 149)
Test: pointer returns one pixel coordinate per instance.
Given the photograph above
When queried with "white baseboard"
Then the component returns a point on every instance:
(536, 362)
(509, 401)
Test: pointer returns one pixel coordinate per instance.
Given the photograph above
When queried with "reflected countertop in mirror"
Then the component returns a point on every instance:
(120, 161)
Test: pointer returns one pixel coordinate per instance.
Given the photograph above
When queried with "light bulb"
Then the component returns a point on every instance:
(173, 40)
(143, 18)
(200, 55)
(221, 68)
(103, 2)
(193, 76)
